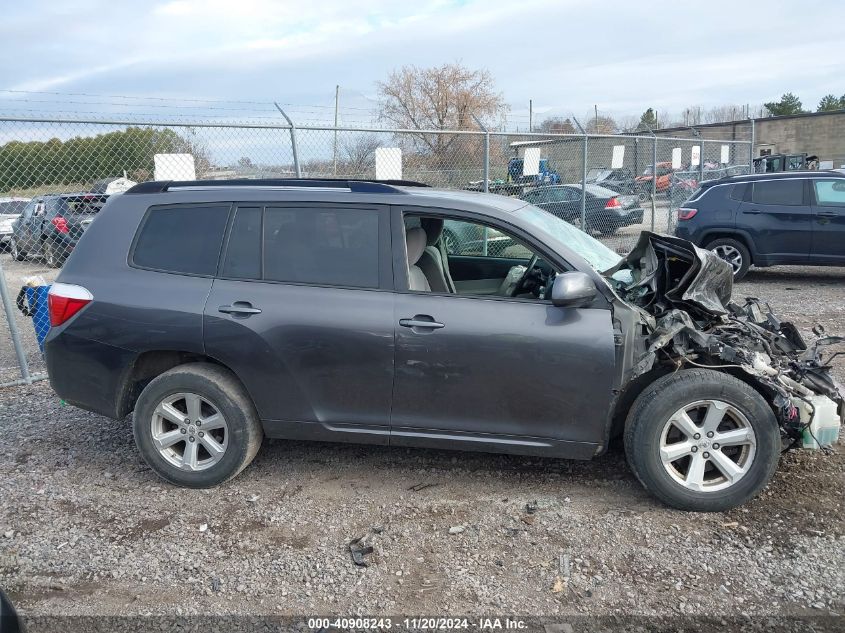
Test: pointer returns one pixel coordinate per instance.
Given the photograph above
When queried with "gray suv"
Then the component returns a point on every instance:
(222, 312)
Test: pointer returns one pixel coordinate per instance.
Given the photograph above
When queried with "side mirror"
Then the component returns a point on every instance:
(573, 290)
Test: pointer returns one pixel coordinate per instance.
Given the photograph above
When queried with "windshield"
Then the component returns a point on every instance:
(597, 174)
(597, 254)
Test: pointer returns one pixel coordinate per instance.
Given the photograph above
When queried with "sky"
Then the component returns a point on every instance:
(567, 55)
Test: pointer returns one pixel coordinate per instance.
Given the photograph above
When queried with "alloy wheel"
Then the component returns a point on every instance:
(189, 431)
(730, 255)
(707, 446)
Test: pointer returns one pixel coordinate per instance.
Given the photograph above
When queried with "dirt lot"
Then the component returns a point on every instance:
(86, 528)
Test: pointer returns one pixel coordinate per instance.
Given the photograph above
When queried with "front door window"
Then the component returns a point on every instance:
(470, 258)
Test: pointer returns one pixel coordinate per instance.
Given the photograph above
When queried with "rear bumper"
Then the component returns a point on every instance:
(627, 217)
(88, 374)
(686, 231)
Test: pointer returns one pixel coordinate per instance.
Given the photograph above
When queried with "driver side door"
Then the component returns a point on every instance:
(494, 372)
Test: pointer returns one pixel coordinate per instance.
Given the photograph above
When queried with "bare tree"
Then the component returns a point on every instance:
(601, 125)
(556, 125)
(630, 123)
(358, 153)
(446, 97)
(722, 113)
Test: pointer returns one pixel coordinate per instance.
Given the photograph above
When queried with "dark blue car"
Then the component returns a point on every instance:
(769, 219)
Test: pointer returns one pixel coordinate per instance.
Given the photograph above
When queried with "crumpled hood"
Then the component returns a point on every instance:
(671, 272)
(682, 297)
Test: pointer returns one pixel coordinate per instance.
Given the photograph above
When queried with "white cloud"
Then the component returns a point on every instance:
(566, 56)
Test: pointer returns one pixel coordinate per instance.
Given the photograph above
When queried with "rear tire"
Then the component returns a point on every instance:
(17, 254)
(187, 451)
(708, 473)
(53, 259)
(734, 252)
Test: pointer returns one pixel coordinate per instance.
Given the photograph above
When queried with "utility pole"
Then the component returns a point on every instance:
(530, 115)
(596, 107)
(336, 101)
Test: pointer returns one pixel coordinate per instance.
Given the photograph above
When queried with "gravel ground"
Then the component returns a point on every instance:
(87, 528)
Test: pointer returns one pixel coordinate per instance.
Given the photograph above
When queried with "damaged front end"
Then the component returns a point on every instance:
(682, 297)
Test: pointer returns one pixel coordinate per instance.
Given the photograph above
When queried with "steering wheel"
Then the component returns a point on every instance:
(518, 286)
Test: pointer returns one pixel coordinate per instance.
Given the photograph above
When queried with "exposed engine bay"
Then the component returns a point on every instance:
(682, 296)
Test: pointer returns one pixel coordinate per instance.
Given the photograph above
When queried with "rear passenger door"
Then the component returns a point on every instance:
(301, 311)
(778, 217)
(563, 202)
(158, 305)
(828, 220)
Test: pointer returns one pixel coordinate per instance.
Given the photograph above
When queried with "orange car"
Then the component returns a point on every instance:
(664, 174)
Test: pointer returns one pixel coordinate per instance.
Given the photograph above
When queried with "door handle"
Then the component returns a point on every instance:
(421, 321)
(826, 214)
(753, 211)
(242, 308)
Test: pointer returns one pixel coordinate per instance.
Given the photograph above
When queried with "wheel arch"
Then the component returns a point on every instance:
(630, 392)
(635, 387)
(152, 363)
(739, 236)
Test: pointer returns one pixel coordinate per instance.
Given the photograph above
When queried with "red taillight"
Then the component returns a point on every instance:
(613, 203)
(65, 300)
(686, 214)
(60, 224)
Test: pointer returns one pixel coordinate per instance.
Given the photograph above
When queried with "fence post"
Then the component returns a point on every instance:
(292, 141)
(486, 166)
(583, 178)
(751, 149)
(701, 160)
(654, 184)
(485, 234)
(13, 328)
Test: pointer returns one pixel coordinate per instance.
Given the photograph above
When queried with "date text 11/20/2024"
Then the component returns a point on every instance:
(418, 624)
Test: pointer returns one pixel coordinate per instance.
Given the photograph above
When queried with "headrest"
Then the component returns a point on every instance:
(433, 229)
(415, 240)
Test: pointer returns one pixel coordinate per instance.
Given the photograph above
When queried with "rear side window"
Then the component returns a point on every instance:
(181, 239)
(334, 247)
(787, 192)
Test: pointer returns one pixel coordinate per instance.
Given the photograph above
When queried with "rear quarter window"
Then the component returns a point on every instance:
(181, 239)
(738, 191)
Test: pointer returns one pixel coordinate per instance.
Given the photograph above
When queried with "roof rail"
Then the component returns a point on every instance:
(353, 184)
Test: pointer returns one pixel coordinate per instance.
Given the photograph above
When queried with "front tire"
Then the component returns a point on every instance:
(702, 440)
(195, 426)
(734, 252)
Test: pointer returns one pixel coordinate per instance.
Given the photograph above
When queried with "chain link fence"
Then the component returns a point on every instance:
(56, 174)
